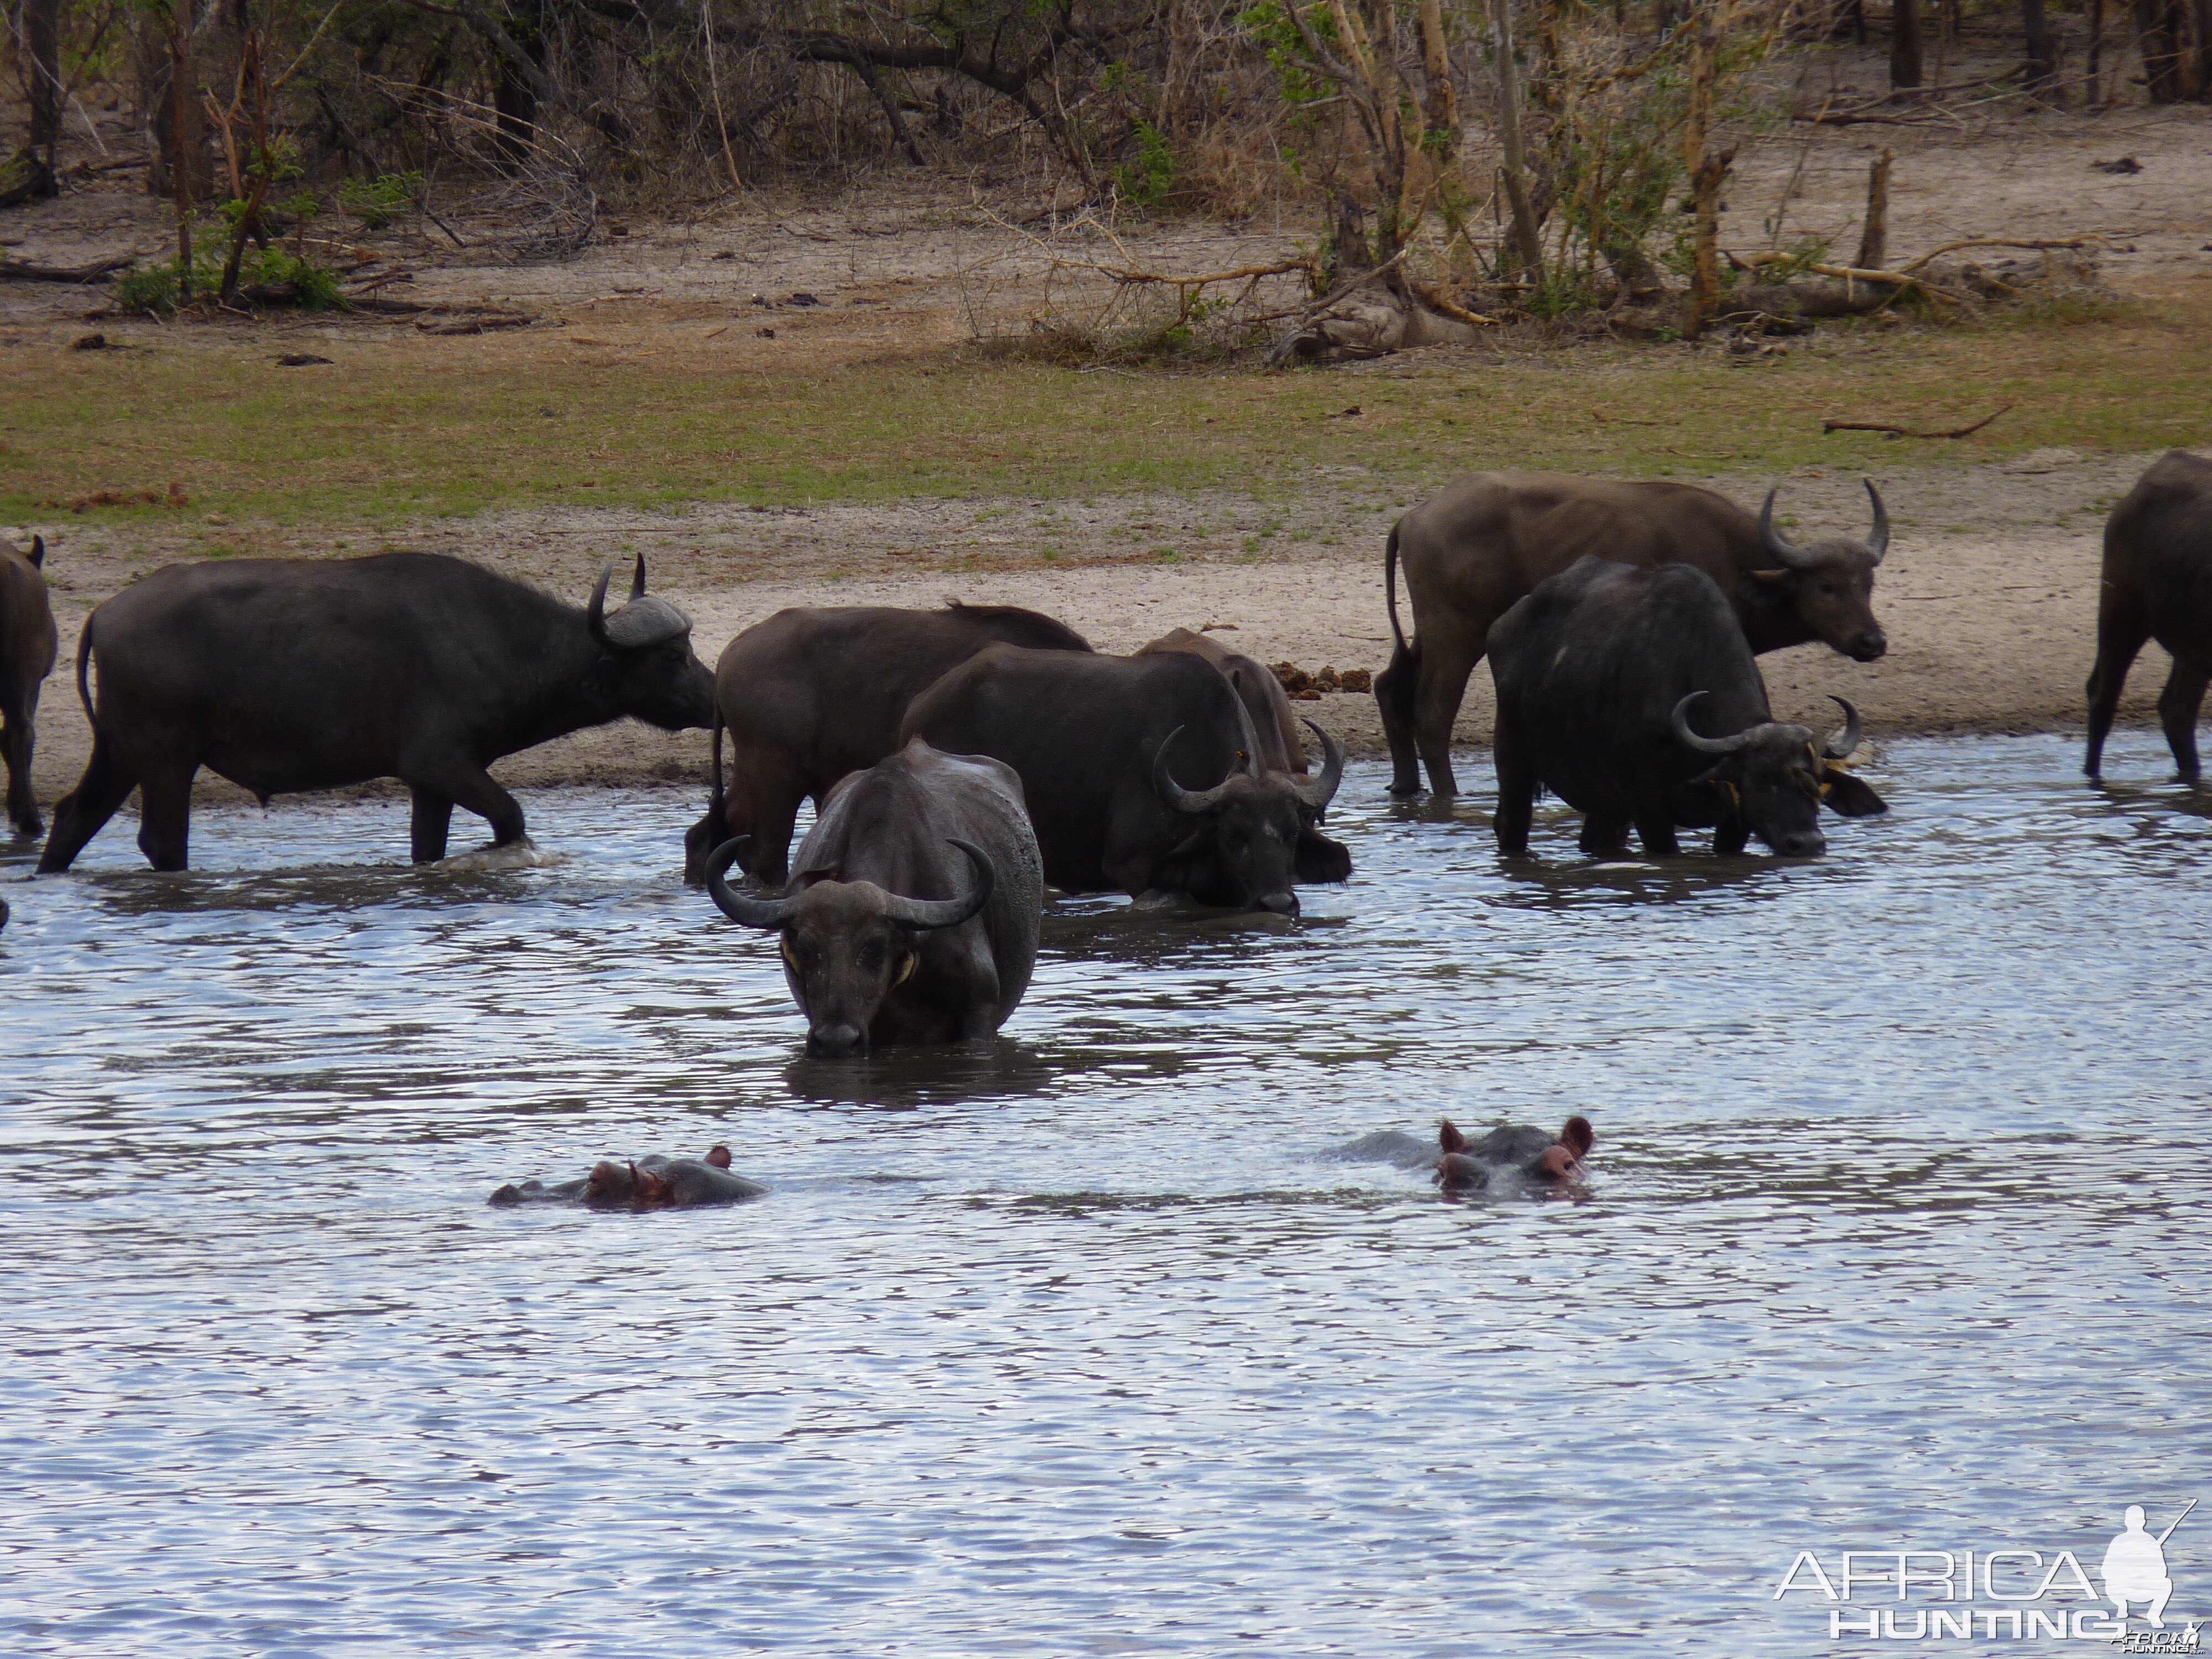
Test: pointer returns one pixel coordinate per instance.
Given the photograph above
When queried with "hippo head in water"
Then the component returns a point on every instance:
(1516, 1149)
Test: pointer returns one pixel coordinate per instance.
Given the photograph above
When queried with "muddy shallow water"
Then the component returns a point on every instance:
(1090, 1344)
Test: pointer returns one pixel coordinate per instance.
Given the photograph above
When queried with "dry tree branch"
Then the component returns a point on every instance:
(1887, 430)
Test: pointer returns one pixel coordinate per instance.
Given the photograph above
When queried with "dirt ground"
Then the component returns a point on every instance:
(1989, 594)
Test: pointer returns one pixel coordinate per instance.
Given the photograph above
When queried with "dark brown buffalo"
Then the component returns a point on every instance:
(1102, 745)
(28, 643)
(1472, 549)
(913, 908)
(1599, 670)
(652, 1182)
(2157, 586)
(285, 675)
(1282, 747)
(809, 695)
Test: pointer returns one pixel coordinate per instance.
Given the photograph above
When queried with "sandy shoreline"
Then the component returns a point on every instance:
(1989, 596)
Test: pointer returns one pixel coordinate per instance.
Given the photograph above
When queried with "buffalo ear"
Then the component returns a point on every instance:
(1852, 797)
(1448, 1136)
(1316, 858)
(1773, 577)
(37, 552)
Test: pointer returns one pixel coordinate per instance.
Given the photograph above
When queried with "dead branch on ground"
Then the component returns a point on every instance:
(1889, 431)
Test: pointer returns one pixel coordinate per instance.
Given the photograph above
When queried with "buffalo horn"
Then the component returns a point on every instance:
(947, 913)
(1842, 744)
(595, 614)
(1317, 793)
(1781, 552)
(641, 622)
(1182, 799)
(637, 580)
(1877, 537)
(1703, 745)
(745, 912)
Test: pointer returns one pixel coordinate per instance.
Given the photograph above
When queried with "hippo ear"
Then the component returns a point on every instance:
(1448, 1137)
(1456, 1174)
(718, 1156)
(1578, 1137)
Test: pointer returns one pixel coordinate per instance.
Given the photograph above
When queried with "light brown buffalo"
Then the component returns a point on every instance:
(1282, 747)
(2157, 586)
(1475, 547)
(26, 656)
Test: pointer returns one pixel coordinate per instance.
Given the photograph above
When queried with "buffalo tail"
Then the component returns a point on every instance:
(83, 682)
(1390, 584)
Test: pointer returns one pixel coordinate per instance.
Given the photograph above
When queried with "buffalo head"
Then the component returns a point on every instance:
(847, 944)
(1829, 584)
(647, 667)
(1774, 777)
(1252, 841)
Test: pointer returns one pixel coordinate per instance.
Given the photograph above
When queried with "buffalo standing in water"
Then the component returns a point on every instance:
(285, 675)
(913, 905)
(809, 695)
(1472, 549)
(28, 643)
(1598, 672)
(1102, 744)
(2157, 586)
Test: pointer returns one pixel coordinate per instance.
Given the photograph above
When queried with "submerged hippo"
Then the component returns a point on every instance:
(1513, 1154)
(652, 1182)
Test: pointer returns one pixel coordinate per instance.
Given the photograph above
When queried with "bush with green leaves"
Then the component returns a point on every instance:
(153, 288)
(377, 204)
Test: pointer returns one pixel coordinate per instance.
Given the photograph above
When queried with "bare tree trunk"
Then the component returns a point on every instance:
(2042, 63)
(514, 94)
(182, 84)
(42, 48)
(2094, 92)
(2161, 49)
(1904, 46)
(2204, 50)
(1706, 169)
(1442, 106)
(1524, 244)
(1873, 234)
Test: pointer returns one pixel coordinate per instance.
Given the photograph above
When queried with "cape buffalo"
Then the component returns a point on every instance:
(28, 643)
(1476, 546)
(1281, 748)
(811, 695)
(1598, 670)
(912, 914)
(652, 1182)
(284, 675)
(1102, 744)
(2157, 586)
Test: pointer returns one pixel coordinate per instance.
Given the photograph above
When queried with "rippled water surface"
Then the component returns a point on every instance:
(1090, 1345)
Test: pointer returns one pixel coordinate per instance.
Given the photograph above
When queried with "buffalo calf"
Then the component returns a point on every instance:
(2157, 586)
(285, 675)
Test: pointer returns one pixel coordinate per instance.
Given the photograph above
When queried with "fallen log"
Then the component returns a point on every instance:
(1888, 430)
(100, 270)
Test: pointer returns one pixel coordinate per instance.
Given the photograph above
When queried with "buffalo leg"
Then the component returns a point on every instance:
(430, 825)
(82, 812)
(1657, 831)
(15, 748)
(2177, 706)
(1604, 835)
(765, 805)
(1517, 790)
(2118, 638)
(476, 789)
(1730, 837)
(1395, 689)
(1436, 706)
(165, 814)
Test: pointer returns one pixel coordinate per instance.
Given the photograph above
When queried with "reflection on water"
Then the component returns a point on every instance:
(1090, 1341)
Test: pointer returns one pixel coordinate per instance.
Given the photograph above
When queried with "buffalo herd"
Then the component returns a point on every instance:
(962, 761)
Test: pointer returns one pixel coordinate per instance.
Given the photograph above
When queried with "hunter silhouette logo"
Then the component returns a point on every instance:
(2007, 1593)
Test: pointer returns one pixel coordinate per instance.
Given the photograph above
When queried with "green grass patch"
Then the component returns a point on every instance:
(406, 430)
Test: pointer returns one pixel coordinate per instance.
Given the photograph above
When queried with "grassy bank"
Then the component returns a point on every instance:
(403, 428)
